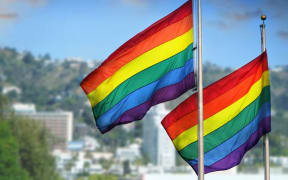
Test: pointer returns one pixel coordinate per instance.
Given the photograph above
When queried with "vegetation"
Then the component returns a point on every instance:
(106, 164)
(99, 177)
(126, 167)
(34, 148)
(54, 85)
(10, 165)
(24, 148)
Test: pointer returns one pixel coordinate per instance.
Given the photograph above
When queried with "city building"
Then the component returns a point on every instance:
(76, 146)
(70, 163)
(7, 89)
(23, 108)
(130, 153)
(156, 143)
(91, 144)
(60, 124)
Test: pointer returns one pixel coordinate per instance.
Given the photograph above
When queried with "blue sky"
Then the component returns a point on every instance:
(92, 29)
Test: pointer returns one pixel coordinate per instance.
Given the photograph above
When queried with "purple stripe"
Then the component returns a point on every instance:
(235, 157)
(164, 94)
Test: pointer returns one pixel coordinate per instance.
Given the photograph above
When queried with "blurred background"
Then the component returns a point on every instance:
(47, 129)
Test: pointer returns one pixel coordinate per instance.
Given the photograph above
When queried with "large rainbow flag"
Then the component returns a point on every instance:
(154, 66)
(236, 115)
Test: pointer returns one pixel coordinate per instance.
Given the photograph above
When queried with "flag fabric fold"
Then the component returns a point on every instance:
(154, 66)
(237, 112)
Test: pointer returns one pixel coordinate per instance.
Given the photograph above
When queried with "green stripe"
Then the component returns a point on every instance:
(142, 79)
(225, 132)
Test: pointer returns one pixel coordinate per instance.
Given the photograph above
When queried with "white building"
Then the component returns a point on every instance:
(91, 143)
(24, 108)
(131, 153)
(156, 143)
(70, 163)
(280, 161)
(60, 124)
(7, 89)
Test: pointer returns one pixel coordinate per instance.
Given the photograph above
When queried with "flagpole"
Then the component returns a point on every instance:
(266, 138)
(200, 98)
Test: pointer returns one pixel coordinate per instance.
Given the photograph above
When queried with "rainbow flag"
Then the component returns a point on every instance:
(154, 66)
(237, 112)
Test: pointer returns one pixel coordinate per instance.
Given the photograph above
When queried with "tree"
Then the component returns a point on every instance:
(47, 57)
(28, 58)
(12, 95)
(126, 167)
(99, 177)
(4, 106)
(10, 167)
(34, 148)
(106, 164)
(86, 167)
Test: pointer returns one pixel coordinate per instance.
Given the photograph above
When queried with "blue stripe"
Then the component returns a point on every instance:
(235, 141)
(141, 95)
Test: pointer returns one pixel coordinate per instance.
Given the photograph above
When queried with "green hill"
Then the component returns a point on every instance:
(54, 85)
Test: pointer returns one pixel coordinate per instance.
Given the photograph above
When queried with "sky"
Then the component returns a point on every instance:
(93, 29)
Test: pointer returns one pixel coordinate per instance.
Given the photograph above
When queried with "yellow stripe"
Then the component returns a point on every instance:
(154, 56)
(222, 117)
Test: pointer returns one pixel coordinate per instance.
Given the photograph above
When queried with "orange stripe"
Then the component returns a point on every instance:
(214, 106)
(217, 88)
(109, 68)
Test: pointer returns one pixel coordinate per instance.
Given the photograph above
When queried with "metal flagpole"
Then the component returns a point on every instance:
(266, 138)
(200, 98)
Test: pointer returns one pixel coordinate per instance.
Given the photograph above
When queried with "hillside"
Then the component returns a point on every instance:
(54, 85)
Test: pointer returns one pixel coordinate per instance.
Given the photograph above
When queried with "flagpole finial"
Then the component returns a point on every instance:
(263, 18)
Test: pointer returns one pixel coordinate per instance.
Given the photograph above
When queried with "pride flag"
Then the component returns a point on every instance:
(154, 66)
(236, 115)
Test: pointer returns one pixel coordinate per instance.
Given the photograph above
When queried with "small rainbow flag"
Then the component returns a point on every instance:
(236, 115)
(154, 66)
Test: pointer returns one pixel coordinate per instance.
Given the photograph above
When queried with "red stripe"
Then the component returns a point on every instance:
(216, 89)
(175, 16)
(95, 78)
(216, 105)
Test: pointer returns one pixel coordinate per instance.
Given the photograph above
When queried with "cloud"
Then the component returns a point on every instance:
(135, 2)
(8, 15)
(283, 34)
(244, 15)
(11, 9)
(31, 2)
(245, 9)
(230, 13)
(236, 9)
(220, 24)
(277, 7)
(141, 3)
